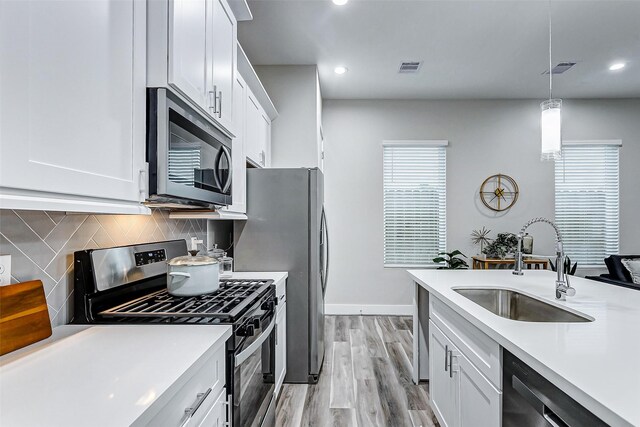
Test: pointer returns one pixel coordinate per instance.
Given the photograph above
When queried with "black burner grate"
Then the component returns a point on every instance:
(230, 300)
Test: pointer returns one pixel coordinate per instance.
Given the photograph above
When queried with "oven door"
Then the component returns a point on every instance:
(254, 375)
(189, 158)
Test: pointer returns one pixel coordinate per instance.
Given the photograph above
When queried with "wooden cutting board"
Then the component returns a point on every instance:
(24, 317)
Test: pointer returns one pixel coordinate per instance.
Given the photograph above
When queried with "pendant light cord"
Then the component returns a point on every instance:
(550, 69)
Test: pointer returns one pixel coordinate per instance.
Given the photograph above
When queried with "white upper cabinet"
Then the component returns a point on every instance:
(239, 164)
(188, 59)
(192, 49)
(258, 141)
(265, 140)
(254, 129)
(72, 109)
(224, 60)
(259, 112)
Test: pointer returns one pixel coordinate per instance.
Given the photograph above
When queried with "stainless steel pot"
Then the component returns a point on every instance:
(192, 275)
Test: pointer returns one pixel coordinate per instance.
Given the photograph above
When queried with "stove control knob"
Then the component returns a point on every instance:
(268, 305)
(246, 331)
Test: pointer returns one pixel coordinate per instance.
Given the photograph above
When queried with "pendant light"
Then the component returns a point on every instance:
(551, 117)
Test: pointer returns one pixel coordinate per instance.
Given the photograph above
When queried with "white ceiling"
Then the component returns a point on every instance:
(471, 49)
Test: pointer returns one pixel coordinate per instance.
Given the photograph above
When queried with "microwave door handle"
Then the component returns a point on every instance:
(227, 154)
(216, 171)
(244, 354)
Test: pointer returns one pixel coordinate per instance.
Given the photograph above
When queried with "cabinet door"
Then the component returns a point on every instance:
(265, 140)
(217, 415)
(254, 120)
(188, 46)
(224, 61)
(72, 110)
(281, 347)
(239, 177)
(442, 382)
(479, 399)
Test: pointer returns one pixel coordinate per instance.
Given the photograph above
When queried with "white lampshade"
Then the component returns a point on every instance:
(551, 124)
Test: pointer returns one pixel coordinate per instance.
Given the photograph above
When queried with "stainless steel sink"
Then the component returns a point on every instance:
(516, 306)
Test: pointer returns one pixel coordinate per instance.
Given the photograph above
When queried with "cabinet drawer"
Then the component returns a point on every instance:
(478, 347)
(210, 375)
(217, 415)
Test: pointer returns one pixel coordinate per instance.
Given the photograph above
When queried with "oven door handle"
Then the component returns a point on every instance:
(244, 355)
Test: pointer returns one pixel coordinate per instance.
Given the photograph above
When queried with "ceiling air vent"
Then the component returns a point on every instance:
(560, 68)
(410, 66)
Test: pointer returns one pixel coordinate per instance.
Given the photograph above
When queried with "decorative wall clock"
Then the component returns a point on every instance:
(499, 192)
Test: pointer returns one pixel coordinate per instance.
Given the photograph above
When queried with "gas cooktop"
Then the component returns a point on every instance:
(227, 303)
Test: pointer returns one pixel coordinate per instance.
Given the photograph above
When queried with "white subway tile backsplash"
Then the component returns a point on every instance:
(25, 239)
(39, 222)
(42, 245)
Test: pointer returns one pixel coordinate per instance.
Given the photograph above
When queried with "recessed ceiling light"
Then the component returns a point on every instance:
(340, 70)
(617, 66)
(340, 2)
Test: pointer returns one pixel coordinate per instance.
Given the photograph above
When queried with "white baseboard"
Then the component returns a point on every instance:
(356, 309)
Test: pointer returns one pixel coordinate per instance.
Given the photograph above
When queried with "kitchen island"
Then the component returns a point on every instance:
(594, 362)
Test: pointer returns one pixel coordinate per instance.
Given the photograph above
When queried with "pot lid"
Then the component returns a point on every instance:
(192, 260)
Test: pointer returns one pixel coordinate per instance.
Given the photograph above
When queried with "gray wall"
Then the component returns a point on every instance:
(294, 133)
(485, 138)
(41, 245)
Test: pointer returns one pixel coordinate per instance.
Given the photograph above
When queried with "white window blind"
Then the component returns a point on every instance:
(587, 206)
(414, 202)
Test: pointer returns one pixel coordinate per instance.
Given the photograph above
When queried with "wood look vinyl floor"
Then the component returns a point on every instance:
(365, 379)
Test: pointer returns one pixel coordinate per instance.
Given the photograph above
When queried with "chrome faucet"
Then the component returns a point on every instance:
(563, 288)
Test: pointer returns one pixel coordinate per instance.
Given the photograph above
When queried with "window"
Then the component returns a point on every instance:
(414, 187)
(587, 200)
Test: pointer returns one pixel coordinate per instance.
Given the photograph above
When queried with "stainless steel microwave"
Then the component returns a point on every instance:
(189, 158)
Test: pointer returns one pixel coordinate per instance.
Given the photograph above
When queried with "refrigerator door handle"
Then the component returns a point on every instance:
(324, 247)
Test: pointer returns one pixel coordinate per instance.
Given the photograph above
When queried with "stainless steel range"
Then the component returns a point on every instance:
(127, 284)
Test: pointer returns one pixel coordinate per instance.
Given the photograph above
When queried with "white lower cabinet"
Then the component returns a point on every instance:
(478, 398)
(281, 347)
(201, 400)
(442, 381)
(281, 336)
(217, 415)
(460, 394)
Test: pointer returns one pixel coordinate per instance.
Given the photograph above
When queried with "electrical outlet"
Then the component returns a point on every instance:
(5, 270)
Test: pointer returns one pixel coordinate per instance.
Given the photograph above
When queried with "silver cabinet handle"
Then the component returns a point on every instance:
(220, 105)
(189, 412)
(213, 104)
(450, 363)
(446, 354)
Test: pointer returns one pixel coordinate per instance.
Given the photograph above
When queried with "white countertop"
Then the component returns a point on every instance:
(105, 375)
(597, 363)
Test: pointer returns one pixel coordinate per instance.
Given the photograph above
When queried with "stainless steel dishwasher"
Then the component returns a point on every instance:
(530, 400)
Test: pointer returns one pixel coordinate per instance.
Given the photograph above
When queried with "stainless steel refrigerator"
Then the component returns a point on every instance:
(286, 231)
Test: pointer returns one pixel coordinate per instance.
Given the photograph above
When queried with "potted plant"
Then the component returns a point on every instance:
(453, 260)
(504, 243)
